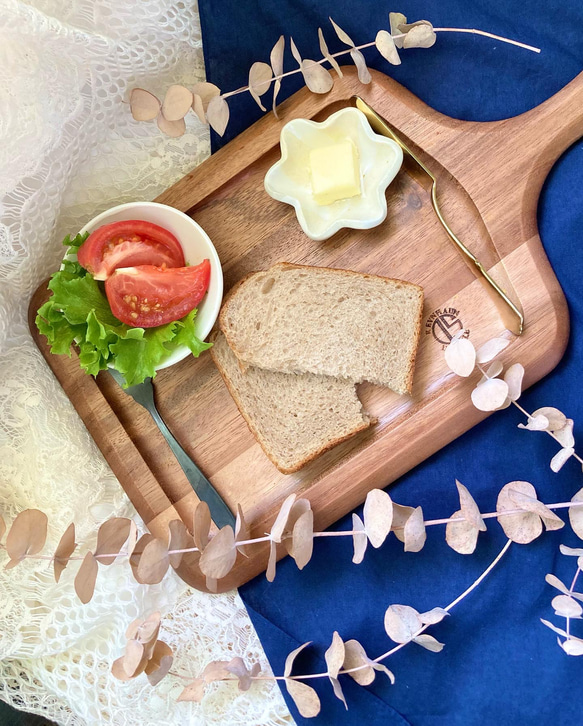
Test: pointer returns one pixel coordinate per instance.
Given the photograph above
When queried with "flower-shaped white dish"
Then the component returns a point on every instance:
(196, 245)
(289, 179)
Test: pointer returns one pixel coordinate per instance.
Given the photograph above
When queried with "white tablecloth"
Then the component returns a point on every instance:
(68, 150)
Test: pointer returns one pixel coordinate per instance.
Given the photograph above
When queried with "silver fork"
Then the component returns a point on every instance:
(143, 394)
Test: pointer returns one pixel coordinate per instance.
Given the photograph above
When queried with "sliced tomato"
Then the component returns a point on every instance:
(147, 296)
(129, 244)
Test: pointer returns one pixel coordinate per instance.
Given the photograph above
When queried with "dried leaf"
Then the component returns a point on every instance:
(573, 646)
(523, 527)
(259, 81)
(344, 37)
(433, 616)
(560, 458)
(144, 105)
(554, 581)
(220, 554)
(566, 607)
(386, 47)
(318, 79)
(198, 108)
(460, 356)
(414, 532)
(461, 536)
(179, 539)
(64, 550)
(217, 114)
(289, 661)
(280, 523)
(402, 623)
(420, 36)
(212, 584)
(338, 692)
(206, 91)
(238, 668)
(401, 514)
(303, 539)
(491, 349)
(242, 532)
(174, 129)
(557, 419)
(429, 642)
(177, 103)
(216, 670)
(327, 55)
(298, 508)
(355, 657)
(469, 508)
(276, 60)
(305, 698)
(565, 435)
(395, 20)
(383, 669)
(554, 628)
(535, 423)
(85, 578)
(490, 395)
(576, 515)
(571, 551)
(117, 670)
(334, 656)
(378, 516)
(494, 370)
(295, 52)
(513, 378)
(27, 535)
(137, 553)
(111, 537)
(153, 564)
(132, 538)
(201, 525)
(145, 629)
(193, 692)
(359, 539)
(132, 658)
(531, 504)
(272, 562)
(360, 63)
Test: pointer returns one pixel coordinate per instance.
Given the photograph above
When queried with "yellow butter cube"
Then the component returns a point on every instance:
(335, 172)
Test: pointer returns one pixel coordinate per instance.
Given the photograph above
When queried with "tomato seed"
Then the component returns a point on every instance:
(134, 315)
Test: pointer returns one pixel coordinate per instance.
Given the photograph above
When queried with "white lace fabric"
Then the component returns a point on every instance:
(68, 150)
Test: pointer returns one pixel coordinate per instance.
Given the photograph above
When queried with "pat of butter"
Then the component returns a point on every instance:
(335, 172)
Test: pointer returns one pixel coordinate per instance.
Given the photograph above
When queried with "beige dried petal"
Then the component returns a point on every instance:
(298, 508)
(260, 75)
(493, 371)
(220, 554)
(402, 623)
(327, 55)
(206, 91)
(531, 504)
(395, 20)
(338, 692)
(414, 532)
(177, 103)
(144, 105)
(111, 537)
(201, 525)
(576, 515)
(378, 516)
(460, 356)
(132, 658)
(174, 129)
(198, 108)
(355, 657)
(272, 562)
(303, 539)
(237, 667)
(566, 607)
(305, 698)
(281, 520)
(557, 419)
(428, 642)
(344, 37)
(386, 47)
(289, 661)
(420, 36)
(490, 395)
(276, 60)
(154, 563)
(295, 51)
(360, 63)
(536, 423)
(85, 578)
(27, 535)
(401, 514)
(461, 536)
(359, 539)
(242, 532)
(216, 670)
(513, 378)
(469, 507)
(433, 616)
(334, 656)
(179, 539)
(193, 692)
(523, 527)
(560, 458)
(573, 646)
(565, 435)
(217, 114)
(64, 550)
(490, 349)
(318, 79)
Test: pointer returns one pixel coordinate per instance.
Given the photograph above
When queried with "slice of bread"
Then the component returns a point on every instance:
(294, 417)
(294, 318)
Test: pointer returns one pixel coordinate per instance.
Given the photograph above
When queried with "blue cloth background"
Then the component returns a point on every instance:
(500, 664)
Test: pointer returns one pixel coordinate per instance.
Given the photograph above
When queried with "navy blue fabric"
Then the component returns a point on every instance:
(500, 664)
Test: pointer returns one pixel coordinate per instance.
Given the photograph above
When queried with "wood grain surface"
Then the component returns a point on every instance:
(490, 176)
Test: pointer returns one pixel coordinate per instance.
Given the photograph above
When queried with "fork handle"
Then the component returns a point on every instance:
(220, 512)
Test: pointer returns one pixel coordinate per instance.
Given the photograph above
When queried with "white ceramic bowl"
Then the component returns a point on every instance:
(289, 179)
(196, 245)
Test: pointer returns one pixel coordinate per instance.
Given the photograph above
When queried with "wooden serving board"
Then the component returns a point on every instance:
(490, 176)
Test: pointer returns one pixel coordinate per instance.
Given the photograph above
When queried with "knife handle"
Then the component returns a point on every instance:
(220, 512)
